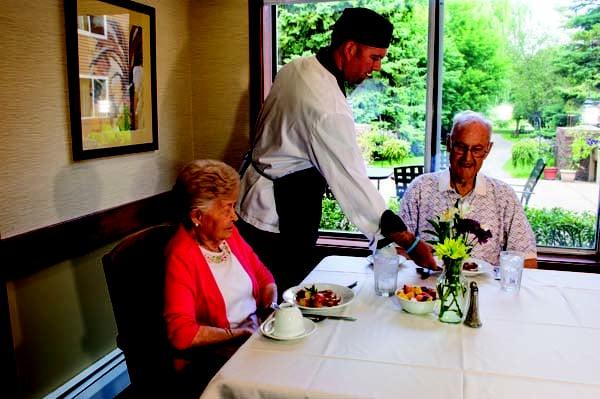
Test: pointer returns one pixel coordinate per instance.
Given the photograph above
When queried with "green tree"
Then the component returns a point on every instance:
(533, 89)
(475, 59)
(579, 60)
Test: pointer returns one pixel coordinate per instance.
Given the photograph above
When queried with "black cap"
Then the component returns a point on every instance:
(363, 26)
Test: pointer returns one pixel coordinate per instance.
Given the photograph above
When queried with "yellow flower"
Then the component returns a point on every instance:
(453, 248)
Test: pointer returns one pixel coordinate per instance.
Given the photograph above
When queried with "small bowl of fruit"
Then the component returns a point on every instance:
(416, 299)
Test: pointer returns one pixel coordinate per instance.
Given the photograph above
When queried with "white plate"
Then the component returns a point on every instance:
(266, 328)
(345, 293)
(484, 267)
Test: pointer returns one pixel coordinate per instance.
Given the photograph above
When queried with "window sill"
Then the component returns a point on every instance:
(355, 245)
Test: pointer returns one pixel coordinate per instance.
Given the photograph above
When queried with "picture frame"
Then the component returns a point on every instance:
(111, 68)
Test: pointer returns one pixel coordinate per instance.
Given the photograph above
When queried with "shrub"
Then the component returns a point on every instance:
(395, 149)
(382, 146)
(525, 152)
(582, 147)
(333, 217)
(554, 227)
(415, 136)
(558, 227)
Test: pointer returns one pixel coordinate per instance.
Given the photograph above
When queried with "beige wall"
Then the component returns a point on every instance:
(62, 319)
(220, 65)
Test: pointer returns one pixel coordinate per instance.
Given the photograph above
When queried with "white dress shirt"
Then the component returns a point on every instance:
(307, 122)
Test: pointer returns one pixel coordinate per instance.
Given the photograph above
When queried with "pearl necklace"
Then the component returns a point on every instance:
(217, 257)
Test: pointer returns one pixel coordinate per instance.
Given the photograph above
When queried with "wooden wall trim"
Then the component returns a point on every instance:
(27, 253)
(8, 379)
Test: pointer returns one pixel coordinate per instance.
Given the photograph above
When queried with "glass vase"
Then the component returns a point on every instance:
(452, 291)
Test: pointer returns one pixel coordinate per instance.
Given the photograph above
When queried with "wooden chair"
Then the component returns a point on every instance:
(135, 273)
(403, 175)
(531, 182)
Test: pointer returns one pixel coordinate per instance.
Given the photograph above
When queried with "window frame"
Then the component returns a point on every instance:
(88, 32)
(263, 69)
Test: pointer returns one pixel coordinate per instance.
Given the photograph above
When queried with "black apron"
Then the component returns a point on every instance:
(290, 254)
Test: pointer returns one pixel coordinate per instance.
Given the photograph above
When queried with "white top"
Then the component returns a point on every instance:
(492, 203)
(539, 343)
(233, 282)
(305, 122)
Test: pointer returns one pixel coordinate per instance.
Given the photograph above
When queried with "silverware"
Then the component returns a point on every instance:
(424, 273)
(354, 284)
(326, 316)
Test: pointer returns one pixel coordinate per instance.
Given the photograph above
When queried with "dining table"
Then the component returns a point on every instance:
(540, 342)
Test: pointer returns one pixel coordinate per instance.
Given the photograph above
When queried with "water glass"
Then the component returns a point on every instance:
(385, 267)
(511, 270)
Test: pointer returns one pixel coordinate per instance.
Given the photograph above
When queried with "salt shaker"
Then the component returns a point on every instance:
(472, 318)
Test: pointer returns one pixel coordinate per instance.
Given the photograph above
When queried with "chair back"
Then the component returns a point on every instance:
(403, 175)
(534, 176)
(444, 160)
(135, 274)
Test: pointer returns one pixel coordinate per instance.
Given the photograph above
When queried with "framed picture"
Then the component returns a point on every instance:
(111, 62)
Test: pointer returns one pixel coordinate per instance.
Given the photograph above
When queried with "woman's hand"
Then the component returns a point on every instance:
(247, 327)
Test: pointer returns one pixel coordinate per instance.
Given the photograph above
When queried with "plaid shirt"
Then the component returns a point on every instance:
(492, 202)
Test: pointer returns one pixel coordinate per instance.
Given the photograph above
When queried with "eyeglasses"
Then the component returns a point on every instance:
(477, 151)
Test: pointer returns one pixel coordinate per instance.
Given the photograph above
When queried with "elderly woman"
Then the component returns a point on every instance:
(215, 284)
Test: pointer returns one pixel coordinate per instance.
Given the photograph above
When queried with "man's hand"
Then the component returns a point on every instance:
(422, 253)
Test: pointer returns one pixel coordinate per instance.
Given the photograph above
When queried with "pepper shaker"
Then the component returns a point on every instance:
(472, 318)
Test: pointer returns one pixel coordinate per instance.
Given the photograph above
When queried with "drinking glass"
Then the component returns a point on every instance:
(385, 267)
(511, 270)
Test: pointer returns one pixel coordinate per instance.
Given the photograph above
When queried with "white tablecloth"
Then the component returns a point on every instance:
(543, 342)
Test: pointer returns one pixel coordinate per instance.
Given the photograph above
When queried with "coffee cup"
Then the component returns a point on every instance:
(288, 321)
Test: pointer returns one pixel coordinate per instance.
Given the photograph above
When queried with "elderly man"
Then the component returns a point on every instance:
(306, 141)
(492, 202)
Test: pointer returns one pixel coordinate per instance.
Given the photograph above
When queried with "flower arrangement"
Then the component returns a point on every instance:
(454, 237)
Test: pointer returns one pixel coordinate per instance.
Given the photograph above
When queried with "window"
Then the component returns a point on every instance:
(94, 96)
(528, 67)
(91, 25)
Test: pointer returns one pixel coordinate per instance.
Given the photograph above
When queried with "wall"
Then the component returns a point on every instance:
(220, 79)
(61, 316)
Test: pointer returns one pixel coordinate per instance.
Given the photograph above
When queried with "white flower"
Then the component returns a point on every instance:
(448, 215)
(463, 209)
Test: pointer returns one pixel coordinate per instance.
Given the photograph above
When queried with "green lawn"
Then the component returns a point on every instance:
(390, 164)
(508, 135)
(517, 172)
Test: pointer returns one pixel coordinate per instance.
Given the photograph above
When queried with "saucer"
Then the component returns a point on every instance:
(266, 328)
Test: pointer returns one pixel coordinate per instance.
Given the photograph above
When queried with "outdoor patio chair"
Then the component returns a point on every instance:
(531, 182)
(403, 175)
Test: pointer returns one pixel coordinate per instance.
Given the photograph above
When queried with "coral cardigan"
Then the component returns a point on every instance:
(192, 296)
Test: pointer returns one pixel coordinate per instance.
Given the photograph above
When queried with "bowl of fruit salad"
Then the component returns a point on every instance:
(416, 299)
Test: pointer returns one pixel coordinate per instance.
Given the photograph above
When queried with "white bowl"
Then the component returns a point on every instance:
(416, 307)
(345, 293)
